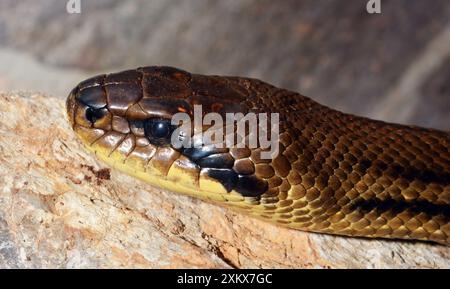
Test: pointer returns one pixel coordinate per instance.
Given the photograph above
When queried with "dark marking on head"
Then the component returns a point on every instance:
(201, 152)
(251, 186)
(219, 166)
(228, 178)
(220, 161)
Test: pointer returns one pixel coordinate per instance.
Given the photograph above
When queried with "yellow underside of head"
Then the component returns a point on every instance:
(177, 179)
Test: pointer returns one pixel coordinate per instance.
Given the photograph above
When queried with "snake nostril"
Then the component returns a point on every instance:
(94, 114)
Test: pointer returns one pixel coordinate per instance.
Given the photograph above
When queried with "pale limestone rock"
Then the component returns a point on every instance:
(59, 207)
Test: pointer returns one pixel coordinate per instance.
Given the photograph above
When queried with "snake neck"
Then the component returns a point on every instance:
(355, 176)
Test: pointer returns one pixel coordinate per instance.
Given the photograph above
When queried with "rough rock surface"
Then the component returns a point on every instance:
(59, 207)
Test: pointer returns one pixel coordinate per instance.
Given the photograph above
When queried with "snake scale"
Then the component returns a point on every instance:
(335, 173)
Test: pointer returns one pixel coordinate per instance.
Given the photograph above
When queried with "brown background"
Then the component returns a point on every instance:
(393, 66)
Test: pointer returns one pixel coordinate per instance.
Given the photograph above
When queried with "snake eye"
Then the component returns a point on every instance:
(94, 114)
(158, 130)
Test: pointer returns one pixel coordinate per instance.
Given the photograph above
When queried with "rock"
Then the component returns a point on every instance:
(59, 207)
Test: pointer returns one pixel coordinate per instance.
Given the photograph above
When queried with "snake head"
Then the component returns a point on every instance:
(126, 119)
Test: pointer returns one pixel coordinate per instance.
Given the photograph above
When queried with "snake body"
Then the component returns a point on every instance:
(335, 173)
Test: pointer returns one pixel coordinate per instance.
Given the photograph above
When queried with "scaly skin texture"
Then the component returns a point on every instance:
(335, 173)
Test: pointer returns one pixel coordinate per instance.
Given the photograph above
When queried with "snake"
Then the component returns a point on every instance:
(334, 173)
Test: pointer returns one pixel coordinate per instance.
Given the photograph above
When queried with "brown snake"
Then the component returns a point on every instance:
(335, 173)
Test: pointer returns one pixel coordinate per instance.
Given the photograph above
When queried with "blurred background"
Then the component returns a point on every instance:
(393, 66)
